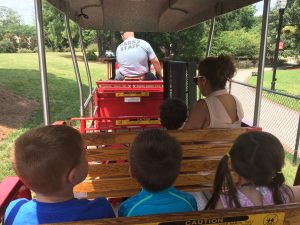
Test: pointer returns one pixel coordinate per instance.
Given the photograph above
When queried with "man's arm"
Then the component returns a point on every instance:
(155, 62)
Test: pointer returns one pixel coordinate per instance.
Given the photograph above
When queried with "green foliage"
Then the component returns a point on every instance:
(23, 42)
(184, 45)
(7, 46)
(25, 50)
(238, 43)
(290, 34)
(90, 55)
(88, 37)
(54, 27)
(241, 18)
(92, 48)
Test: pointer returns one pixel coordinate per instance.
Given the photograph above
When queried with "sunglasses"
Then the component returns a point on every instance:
(197, 78)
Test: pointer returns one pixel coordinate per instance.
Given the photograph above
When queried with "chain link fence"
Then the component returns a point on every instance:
(279, 115)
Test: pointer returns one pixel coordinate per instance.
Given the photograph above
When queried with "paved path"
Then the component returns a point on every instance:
(274, 118)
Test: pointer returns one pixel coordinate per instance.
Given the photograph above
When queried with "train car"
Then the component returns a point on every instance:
(117, 102)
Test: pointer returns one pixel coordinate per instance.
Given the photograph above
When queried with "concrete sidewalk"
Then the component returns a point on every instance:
(274, 118)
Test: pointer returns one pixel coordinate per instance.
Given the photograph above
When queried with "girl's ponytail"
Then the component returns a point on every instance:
(277, 188)
(223, 181)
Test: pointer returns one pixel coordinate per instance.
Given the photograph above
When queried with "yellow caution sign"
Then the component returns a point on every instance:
(257, 219)
(137, 122)
(132, 94)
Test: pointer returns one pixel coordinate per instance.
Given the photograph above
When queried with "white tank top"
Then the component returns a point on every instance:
(219, 117)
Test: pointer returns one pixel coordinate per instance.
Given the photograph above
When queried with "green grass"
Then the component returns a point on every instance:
(20, 74)
(288, 81)
(290, 169)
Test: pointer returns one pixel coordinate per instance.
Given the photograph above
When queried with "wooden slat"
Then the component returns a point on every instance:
(291, 216)
(128, 183)
(121, 169)
(106, 138)
(189, 150)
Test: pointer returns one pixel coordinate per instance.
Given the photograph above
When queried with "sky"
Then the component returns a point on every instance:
(25, 8)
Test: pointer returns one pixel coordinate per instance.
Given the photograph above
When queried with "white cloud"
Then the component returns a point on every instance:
(25, 8)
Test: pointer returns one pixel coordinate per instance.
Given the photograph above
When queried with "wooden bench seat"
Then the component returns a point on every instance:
(288, 214)
(202, 150)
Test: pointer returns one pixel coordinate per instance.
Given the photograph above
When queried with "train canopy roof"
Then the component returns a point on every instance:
(145, 15)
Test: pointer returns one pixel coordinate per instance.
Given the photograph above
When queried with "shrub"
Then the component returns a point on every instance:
(90, 55)
(25, 50)
(7, 46)
(92, 48)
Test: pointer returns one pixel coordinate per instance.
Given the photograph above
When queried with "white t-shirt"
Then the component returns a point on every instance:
(133, 56)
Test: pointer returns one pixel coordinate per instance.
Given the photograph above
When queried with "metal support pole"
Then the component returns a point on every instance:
(297, 143)
(42, 60)
(75, 64)
(211, 35)
(261, 63)
(87, 68)
(281, 11)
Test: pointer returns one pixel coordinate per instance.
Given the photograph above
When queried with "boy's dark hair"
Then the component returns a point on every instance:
(42, 156)
(257, 157)
(218, 70)
(173, 113)
(155, 159)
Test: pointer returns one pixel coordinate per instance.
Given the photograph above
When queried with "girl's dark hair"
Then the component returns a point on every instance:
(257, 157)
(218, 70)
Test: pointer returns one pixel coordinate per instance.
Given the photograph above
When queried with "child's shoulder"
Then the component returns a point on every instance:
(184, 196)
(14, 207)
(97, 205)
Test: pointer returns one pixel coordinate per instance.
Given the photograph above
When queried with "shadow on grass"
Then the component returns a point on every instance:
(63, 94)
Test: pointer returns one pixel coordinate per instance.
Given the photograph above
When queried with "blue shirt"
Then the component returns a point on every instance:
(24, 211)
(169, 200)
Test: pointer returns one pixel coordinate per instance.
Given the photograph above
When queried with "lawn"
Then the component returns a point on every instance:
(20, 73)
(288, 82)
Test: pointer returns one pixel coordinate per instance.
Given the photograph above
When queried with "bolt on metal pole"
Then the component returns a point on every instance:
(281, 11)
(261, 64)
(42, 60)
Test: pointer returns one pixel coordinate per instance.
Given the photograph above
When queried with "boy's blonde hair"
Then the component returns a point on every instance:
(42, 156)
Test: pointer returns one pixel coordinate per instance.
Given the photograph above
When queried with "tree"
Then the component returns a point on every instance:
(291, 34)
(238, 43)
(54, 27)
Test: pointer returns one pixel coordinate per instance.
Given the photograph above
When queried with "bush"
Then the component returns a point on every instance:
(7, 46)
(90, 55)
(25, 50)
(92, 48)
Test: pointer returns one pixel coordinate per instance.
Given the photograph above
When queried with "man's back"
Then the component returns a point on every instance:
(133, 56)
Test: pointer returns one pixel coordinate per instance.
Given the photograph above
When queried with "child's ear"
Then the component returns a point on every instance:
(71, 177)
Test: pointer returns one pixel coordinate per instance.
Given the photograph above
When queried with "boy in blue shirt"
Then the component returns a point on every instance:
(155, 159)
(50, 161)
